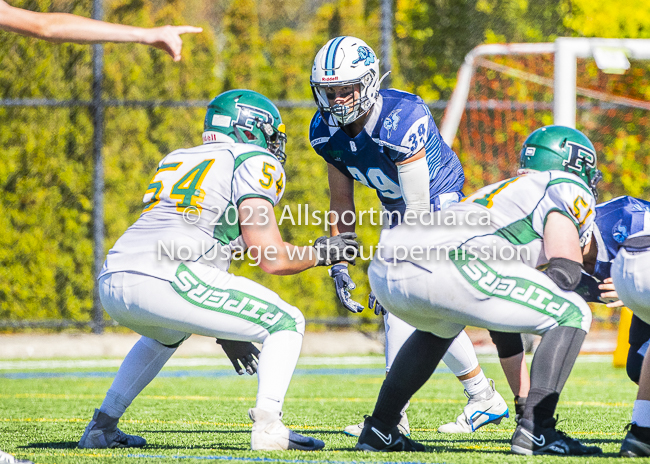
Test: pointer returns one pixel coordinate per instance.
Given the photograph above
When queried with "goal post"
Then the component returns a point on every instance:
(566, 51)
(458, 101)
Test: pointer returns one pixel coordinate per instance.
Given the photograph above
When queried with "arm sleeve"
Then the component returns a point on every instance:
(414, 183)
(259, 177)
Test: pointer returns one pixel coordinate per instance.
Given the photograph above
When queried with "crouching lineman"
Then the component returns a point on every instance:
(166, 277)
(482, 272)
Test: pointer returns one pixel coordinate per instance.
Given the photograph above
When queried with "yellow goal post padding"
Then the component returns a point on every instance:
(623, 339)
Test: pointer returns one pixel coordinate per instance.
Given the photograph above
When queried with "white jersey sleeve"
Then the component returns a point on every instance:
(570, 196)
(258, 176)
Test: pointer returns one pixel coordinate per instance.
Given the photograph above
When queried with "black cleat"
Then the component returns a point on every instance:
(377, 436)
(633, 446)
(530, 439)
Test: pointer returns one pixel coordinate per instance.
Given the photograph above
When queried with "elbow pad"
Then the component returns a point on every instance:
(564, 272)
(414, 183)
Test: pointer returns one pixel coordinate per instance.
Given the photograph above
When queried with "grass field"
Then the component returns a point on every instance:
(195, 411)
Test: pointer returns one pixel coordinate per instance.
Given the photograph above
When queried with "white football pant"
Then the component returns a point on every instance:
(446, 296)
(206, 301)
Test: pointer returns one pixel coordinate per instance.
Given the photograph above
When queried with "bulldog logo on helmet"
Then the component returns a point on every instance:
(366, 55)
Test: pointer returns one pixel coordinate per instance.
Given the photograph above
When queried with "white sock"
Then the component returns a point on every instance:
(278, 360)
(476, 384)
(140, 366)
(641, 413)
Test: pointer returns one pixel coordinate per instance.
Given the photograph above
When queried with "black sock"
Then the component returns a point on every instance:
(551, 366)
(413, 365)
(642, 433)
(540, 405)
(520, 405)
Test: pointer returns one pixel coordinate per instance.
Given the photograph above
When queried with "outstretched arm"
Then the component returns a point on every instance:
(275, 256)
(262, 236)
(64, 27)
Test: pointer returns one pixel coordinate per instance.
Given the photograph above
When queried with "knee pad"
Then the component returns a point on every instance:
(634, 362)
(177, 344)
(508, 344)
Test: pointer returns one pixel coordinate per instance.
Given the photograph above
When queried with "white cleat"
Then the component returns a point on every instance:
(355, 430)
(487, 407)
(102, 432)
(6, 458)
(270, 434)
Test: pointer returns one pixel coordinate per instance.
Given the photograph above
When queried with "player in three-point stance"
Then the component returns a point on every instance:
(167, 276)
(440, 279)
(387, 140)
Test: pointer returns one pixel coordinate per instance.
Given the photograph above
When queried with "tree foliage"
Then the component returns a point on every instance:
(46, 169)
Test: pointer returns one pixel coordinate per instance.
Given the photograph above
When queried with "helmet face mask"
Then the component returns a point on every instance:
(564, 149)
(245, 116)
(345, 61)
(276, 139)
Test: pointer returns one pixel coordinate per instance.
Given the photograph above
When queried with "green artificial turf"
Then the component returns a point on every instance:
(194, 418)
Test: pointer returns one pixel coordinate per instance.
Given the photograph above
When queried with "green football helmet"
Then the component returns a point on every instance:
(246, 116)
(564, 149)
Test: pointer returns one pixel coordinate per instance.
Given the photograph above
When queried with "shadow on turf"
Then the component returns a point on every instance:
(430, 447)
(247, 431)
(51, 445)
(195, 431)
(449, 446)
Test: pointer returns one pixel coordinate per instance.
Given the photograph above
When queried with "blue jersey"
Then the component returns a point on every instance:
(615, 221)
(399, 126)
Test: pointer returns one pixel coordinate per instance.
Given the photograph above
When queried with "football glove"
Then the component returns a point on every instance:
(332, 250)
(588, 289)
(243, 355)
(344, 283)
(373, 303)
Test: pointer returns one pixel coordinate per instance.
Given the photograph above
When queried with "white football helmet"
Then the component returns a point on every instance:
(345, 61)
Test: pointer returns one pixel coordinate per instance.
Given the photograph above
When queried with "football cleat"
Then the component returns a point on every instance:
(633, 446)
(6, 458)
(487, 407)
(270, 434)
(355, 430)
(530, 439)
(377, 436)
(102, 432)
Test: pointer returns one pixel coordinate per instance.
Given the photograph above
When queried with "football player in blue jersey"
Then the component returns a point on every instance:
(387, 140)
(619, 224)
